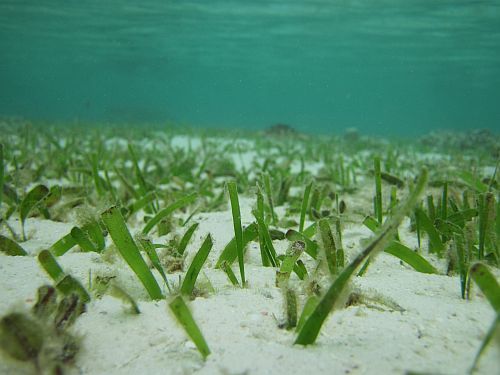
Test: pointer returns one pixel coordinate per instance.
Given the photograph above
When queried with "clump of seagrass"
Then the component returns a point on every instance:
(42, 336)
(316, 310)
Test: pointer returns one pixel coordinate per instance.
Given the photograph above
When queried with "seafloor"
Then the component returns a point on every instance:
(314, 203)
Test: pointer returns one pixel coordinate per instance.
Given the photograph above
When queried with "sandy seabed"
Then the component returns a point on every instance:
(408, 321)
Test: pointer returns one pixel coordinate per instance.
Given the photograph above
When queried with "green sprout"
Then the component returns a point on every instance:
(186, 320)
(303, 209)
(378, 190)
(238, 233)
(491, 289)
(196, 265)
(162, 214)
(11, 247)
(186, 238)
(115, 223)
(30, 201)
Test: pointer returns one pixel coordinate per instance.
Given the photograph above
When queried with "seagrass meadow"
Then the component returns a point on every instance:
(155, 249)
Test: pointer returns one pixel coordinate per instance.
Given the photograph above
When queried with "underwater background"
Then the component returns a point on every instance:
(386, 67)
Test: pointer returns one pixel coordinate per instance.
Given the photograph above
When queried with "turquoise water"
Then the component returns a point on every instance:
(385, 67)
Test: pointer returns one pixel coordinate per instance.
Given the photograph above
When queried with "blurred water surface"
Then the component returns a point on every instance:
(386, 67)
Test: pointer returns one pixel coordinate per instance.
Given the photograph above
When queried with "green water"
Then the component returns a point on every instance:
(386, 67)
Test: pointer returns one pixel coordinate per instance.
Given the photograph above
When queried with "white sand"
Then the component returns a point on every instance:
(437, 332)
